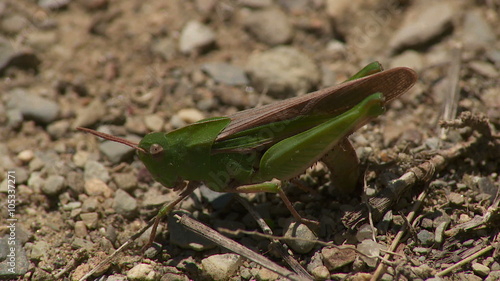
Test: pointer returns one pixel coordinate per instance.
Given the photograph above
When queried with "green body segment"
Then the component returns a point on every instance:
(191, 153)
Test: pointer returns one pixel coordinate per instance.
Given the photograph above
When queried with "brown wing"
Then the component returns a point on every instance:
(330, 101)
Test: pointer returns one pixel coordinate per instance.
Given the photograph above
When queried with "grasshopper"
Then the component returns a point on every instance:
(255, 150)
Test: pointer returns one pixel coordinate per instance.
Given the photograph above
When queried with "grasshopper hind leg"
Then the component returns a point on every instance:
(274, 186)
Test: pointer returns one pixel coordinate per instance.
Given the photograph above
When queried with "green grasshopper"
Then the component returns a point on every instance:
(256, 149)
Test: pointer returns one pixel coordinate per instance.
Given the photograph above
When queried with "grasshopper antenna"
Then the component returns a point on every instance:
(112, 138)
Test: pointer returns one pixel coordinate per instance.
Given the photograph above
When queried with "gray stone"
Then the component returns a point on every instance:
(53, 185)
(58, 129)
(372, 251)
(266, 274)
(283, 72)
(21, 261)
(15, 118)
(125, 181)
(225, 73)
(423, 23)
(195, 36)
(439, 232)
(480, 269)
(90, 205)
(456, 198)
(16, 57)
(81, 243)
(218, 200)
(39, 250)
(165, 47)
(477, 32)
(14, 24)
(95, 170)
(90, 219)
(221, 267)
(493, 276)
(320, 273)
(91, 114)
(334, 258)
(33, 106)
(154, 122)
(484, 68)
(410, 58)
(124, 204)
(80, 229)
(425, 237)
(53, 4)
(298, 230)
(365, 232)
(270, 26)
(117, 152)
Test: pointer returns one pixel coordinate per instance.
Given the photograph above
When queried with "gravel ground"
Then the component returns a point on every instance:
(128, 68)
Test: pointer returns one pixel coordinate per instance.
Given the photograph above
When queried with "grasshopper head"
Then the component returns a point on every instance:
(151, 151)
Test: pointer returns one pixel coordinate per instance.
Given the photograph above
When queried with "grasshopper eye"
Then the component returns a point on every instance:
(155, 149)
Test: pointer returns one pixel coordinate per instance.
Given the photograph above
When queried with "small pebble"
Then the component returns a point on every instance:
(154, 122)
(39, 250)
(480, 269)
(372, 251)
(425, 237)
(294, 229)
(124, 204)
(270, 26)
(265, 274)
(485, 69)
(32, 106)
(96, 187)
(80, 229)
(477, 32)
(58, 128)
(221, 267)
(283, 71)
(365, 232)
(94, 169)
(117, 152)
(53, 185)
(14, 23)
(456, 198)
(90, 219)
(164, 47)
(422, 24)
(334, 258)
(26, 155)
(226, 73)
(195, 37)
(320, 273)
(125, 181)
(80, 158)
(90, 114)
(142, 272)
(190, 115)
(90, 205)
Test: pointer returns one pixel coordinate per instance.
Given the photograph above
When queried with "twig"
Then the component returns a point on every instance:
(235, 247)
(382, 202)
(269, 236)
(467, 260)
(382, 266)
(451, 101)
(275, 244)
(119, 250)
